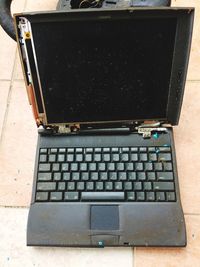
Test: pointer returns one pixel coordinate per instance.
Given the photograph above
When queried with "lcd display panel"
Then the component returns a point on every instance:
(105, 70)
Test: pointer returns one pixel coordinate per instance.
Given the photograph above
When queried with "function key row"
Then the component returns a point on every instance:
(164, 148)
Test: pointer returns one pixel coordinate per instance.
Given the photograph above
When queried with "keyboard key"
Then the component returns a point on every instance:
(151, 149)
(137, 186)
(66, 176)
(106, 157)
(141, 176)
(167, 166)
(80, 186)
(56, 196)
(171, 196)
(90, 185)
(61, 157)
(148, 166)
(97, 150)
(75, 176)
(150, 196)
(151, 176)
(165, 149)
(134, 149)
(125, 149)
(94, 176)
(71, 186)
(115, 149)
(124, 157)
(131, 196)
(41, 196)
(65, 167)
(164, 157)
(142, 149)
(111, 166)
(62, 150)
(143, 157)
(115, 157)
(129, 166)
(139, 166)
(140, 196)
(84, 176)
(134, 157)
(165, 176)
(43, 150)
(113, 176)
(122, 176)
(102, 195)
(70, 150)
(61, 186)
(70, 158)
(97, 157)
(99, 186)
(52, 158)
(118, 185)
(109, 186)
(163, 186)
(89, 150)
(101, 166)
(44, 167)
(147, 186)
(56, 167)
(120, 166)
(92, 166)
(153, 157)
(53, 150)
(44, 176)
(127, 186)
(83, 166)
(79, 150)
(74, 167)
(71, 196)
(57, 176)
(106, 149)
(131, 176)
(79, 158)
(46, 186)
(158, 166)
(43, 158)
(160, 196)
(103, 176)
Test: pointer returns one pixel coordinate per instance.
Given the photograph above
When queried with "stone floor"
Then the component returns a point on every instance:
(18, 136)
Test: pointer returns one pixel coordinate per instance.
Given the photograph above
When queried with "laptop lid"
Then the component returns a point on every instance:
(97, 66)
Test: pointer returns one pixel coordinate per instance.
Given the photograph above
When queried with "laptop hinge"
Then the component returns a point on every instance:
(147, 129)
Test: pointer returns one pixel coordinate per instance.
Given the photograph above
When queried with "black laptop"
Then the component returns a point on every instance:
(106, 88)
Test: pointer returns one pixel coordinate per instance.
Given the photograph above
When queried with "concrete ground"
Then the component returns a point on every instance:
(17, 151)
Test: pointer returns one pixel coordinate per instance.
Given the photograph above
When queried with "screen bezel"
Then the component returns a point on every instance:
(180, 59)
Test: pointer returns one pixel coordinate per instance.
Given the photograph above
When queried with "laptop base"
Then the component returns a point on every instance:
(106, 223)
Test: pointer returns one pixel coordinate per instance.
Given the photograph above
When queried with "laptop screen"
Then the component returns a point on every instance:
(105, 70)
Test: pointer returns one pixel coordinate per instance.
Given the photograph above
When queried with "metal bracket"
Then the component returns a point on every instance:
(147, 132)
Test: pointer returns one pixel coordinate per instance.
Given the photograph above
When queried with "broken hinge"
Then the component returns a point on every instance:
(146, 132)
(63, 129)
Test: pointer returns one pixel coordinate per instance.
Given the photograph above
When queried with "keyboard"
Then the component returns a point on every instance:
(133, 174)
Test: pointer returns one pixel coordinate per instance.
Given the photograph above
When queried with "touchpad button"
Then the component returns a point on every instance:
(104, 217)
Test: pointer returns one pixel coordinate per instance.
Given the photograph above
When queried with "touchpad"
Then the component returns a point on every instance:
(104, 217)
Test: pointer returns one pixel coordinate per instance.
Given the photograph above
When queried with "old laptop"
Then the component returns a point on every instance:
(106, 87)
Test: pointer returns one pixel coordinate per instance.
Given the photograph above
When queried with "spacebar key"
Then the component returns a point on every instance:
(102, 196)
